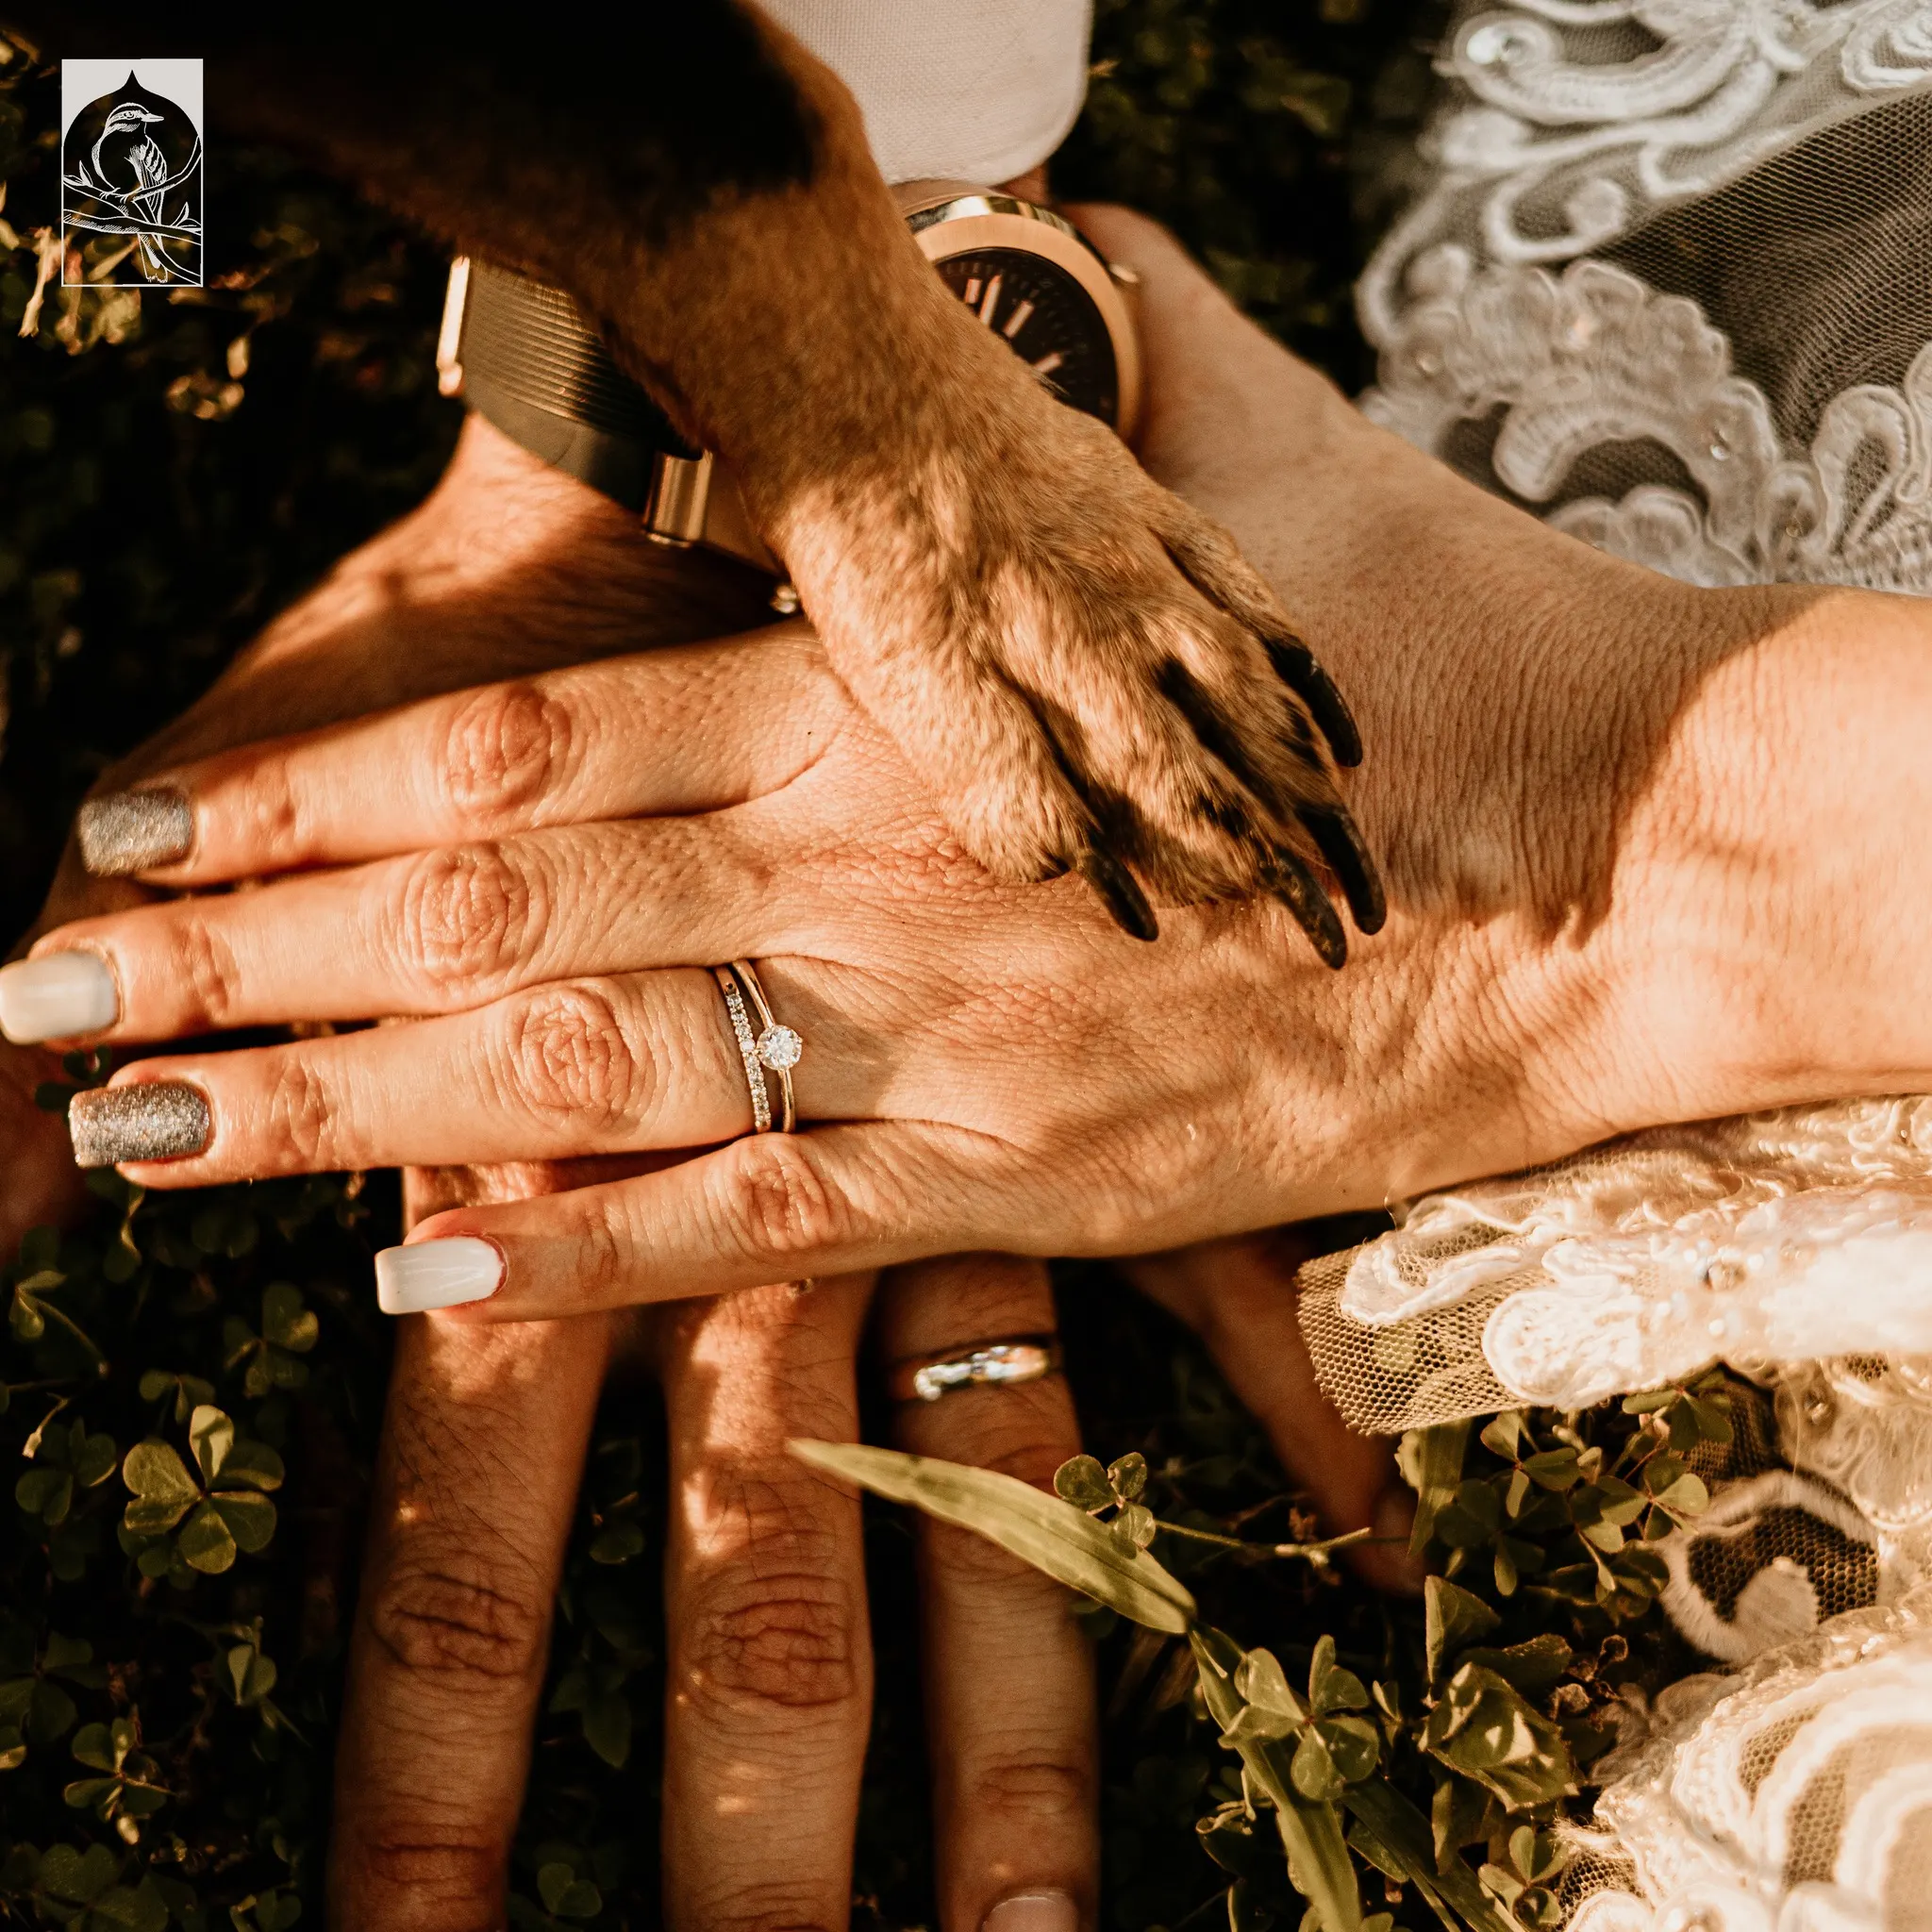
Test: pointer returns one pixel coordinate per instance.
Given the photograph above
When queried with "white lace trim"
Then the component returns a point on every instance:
(1792, 1796)
(1797, 1247)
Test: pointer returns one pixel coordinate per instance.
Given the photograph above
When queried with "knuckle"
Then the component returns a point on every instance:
(297, 1117)
(1028, 1786)
(781, 1202)
(505, 746)
(431, 1616)
(605, 1260)
(451, 1878)
(467, 910)
(784, 1641)
(569, 1056)
(776, 1907)
(203, 974)
(268, 811)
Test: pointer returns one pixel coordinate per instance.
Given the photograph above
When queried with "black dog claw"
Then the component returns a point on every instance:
(1339, 841)
(1295, 665)
(1298, 888)
(1120, 893)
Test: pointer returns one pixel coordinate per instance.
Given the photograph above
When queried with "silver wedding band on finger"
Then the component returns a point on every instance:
(1004, 1364)
(768, 1050)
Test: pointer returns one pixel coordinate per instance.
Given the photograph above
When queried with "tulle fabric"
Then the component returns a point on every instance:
(1666, 286)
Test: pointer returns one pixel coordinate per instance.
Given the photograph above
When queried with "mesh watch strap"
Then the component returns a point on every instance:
(525, 356)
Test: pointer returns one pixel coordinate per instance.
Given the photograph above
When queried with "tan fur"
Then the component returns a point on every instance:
(1074, 662)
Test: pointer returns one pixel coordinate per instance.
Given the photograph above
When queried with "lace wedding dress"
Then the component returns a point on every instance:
(1669, 285)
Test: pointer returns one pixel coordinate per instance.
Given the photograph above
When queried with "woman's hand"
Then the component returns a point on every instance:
(507, 566)
(1582, 938)
(984, 1068)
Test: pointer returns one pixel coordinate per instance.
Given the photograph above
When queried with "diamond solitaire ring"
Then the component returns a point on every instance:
(764, 1046)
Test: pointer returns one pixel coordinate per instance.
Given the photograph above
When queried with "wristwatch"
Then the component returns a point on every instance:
(523, 355)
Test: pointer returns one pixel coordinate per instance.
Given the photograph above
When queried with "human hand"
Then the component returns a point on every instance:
(768, 1692)
(994, 1067)
(506, 567)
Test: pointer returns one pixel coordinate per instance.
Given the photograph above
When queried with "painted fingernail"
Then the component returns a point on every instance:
(134, 832)
(1033, 1911)
(153, 1120)
(436, 1274)
(56, 996)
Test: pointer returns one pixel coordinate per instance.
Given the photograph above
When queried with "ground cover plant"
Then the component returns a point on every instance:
(191, 1386)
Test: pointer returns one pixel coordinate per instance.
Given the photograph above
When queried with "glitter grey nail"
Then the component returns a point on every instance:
(153, 1120)
(135, 831)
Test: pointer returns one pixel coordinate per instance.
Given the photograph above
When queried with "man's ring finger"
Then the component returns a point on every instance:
(1003, 1364)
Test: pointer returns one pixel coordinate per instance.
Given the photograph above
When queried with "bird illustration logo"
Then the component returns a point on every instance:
(126, 180)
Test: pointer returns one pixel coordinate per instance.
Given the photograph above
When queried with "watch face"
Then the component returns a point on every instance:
(1048, 317)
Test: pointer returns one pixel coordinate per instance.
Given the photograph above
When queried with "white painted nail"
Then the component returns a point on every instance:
(57, 996)
(436, 1274)
(1033, 1911)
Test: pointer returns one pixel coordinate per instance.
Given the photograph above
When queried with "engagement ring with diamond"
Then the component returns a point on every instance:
(764, 1048)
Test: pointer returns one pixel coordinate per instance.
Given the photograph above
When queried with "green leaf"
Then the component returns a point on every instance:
(78, 1877)
(1648, 1401)
(1134, 1525)
(12, 1748)
(252, 1466)
(1554, 1469)
(96, 1745)
(1128, 1477)
(47, 1493)
(1687, 1496)
(619, 1543)
(250, 1519)
(251, 1675)
(285, 1321)
(1354, 1745)
(1082, 1481)
(1485, 1729)
(93, 1456)
(1318, 1860)
(1405, 1834)
(606, 1724)
(50, 1713)
(1431, 1464)
(73, 1658)
(565, 1895)
(1712, 1417)
(1262, 1684)
(205, 1542)
(1050, 1533)
(1458, 1815)
(1330, 1688)
(1535, 1666)
(210, 1435)
(1313, 1770)
(163, 1490)
(1452, 1618)
(1618, 1502)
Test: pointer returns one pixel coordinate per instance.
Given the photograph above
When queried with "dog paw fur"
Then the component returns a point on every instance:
(1084, 671)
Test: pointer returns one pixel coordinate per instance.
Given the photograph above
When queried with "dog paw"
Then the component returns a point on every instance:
(1087, 675)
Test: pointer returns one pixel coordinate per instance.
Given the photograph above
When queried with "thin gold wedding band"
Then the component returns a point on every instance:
(768, 1050)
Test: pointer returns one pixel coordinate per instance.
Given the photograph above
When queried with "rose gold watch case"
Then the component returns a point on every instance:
(949, 218)
(696, 502)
